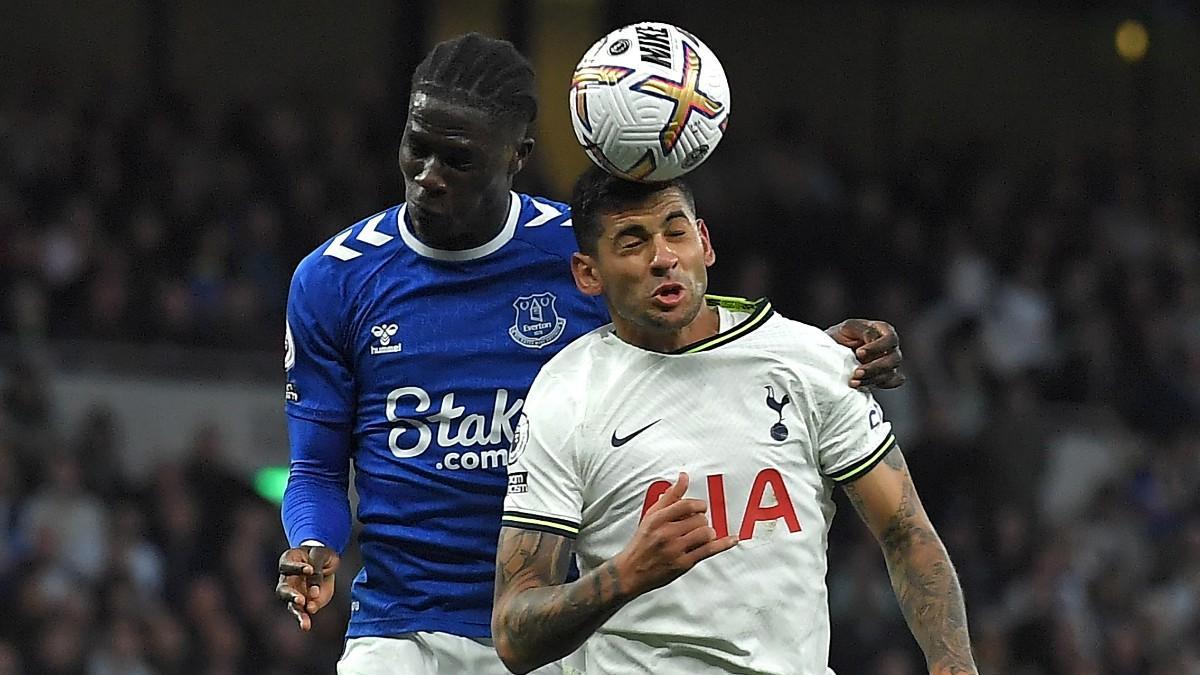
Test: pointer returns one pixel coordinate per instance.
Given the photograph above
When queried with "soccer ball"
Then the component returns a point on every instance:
(649, 102)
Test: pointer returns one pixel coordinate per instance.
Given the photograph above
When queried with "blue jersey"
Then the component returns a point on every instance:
(423, 358)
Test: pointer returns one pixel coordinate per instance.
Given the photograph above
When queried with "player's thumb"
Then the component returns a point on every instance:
(676, 491)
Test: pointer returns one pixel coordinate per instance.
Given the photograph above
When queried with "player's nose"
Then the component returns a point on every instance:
(665, 257)
(431, 177)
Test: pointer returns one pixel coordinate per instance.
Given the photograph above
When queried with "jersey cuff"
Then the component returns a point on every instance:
(536, 521)
(860, 468)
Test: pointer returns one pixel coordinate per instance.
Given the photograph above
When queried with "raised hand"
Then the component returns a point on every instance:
(673, 536)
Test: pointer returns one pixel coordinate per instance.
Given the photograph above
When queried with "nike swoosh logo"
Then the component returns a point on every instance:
(617, 441)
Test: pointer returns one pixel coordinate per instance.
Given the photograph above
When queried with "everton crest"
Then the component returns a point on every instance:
(537, 323)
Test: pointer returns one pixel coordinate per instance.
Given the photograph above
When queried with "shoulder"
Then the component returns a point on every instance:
(811, 352)
(546, 225)
(808, 340)
(345, 252)
(350, 254)
(334, 272)
(543, 212)
(565, 377)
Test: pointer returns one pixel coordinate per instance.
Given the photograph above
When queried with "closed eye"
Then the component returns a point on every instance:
(629, 238)
(458, 161)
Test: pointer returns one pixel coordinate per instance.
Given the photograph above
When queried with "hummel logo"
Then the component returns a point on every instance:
(617, 441)
(384, 332)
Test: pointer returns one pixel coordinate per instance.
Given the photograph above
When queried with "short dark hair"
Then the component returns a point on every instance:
(597, 193)
(480, 72)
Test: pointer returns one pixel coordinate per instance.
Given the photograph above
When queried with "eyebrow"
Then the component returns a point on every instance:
(431, 137)
(457, 137)
(632, 228)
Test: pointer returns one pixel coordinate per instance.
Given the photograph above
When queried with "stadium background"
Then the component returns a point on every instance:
(995, 179)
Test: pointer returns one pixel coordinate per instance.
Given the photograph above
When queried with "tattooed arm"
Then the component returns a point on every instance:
(922, 575)
(538, 619)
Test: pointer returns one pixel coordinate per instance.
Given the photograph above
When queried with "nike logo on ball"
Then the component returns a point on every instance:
(617, 441)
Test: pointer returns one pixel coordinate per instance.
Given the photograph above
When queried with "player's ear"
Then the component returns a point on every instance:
(710, 255)
(521, 153)
(587, 277)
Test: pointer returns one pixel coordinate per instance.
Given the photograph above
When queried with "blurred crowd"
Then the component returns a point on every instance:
(169, 574)
(1048, 306)
(166, 219)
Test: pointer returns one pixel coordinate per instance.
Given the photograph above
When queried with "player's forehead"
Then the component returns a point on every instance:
(654, 211)
(437, 118)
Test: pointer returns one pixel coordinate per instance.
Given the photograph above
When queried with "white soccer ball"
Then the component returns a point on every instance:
(649, 102)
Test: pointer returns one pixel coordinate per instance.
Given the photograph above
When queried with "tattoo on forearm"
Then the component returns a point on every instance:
(923, 579)
(539, 616)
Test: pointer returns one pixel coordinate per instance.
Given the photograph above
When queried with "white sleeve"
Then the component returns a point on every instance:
(543, 484)
(854, 436)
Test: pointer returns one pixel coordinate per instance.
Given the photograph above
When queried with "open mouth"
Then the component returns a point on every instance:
(668, 295)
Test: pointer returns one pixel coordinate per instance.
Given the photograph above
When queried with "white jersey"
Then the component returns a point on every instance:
(762, 419)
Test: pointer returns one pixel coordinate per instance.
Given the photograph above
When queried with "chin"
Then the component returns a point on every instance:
(674, 319)
(424, 218)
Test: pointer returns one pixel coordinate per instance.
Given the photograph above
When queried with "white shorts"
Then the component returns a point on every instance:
(433, 654)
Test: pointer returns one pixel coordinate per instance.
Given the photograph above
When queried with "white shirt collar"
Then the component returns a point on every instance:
(506, 233)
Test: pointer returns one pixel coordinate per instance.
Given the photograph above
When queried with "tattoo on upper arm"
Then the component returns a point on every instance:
(532, 558)
(856, 501)
(895, 459)
(907, 527)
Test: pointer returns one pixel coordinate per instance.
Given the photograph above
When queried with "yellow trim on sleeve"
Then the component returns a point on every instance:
(538, 522)
(868, 462)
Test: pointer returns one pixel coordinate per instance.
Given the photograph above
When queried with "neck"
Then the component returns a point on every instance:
(706, 324)
(453, 236)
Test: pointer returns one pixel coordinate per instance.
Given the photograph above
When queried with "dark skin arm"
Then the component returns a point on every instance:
(877, 347)
(538, 619)
(922, 575)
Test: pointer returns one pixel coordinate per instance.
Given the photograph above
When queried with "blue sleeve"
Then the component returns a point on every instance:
(320, 379)
(320, 399)
(315, 502)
